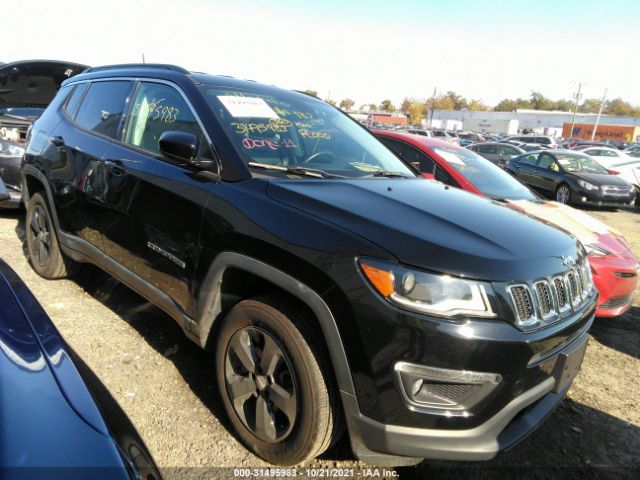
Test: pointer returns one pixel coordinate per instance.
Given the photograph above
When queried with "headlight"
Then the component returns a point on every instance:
(588, 186)
(429, 293)
(8, 149)
(596, 251)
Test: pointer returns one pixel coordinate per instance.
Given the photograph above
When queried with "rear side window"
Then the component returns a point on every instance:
(102, 108)
(487, 149)
(159, 108)
(508, 150)
(75, 98)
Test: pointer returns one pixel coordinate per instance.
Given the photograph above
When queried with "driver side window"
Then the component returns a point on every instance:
(158, 108)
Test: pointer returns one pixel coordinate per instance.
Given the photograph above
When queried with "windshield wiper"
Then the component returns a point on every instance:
(388, 174)
(310, 172)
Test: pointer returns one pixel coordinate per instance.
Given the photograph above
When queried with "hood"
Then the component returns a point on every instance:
(601, 179)
(432, 226)
(33, 83)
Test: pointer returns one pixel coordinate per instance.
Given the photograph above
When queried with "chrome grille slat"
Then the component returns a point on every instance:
(551, 299)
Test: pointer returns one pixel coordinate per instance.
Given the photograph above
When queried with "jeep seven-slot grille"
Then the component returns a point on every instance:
(553, 298)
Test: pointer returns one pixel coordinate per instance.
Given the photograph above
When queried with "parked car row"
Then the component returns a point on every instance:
(613, 262)
(334, 285)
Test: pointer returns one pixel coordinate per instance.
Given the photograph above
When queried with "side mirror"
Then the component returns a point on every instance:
(179, 146)
(182, 147)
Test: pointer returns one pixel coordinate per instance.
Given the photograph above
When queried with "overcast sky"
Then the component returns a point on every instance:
(367, 50)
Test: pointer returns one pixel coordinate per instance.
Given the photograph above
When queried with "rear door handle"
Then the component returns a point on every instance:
(57, 140)
(115, 167)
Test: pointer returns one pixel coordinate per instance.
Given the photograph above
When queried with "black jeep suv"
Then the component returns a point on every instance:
(333, 286)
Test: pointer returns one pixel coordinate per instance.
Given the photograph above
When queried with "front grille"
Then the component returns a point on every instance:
(561, 293)
(613, 190)
(551, 299)
(523, 303)
(574, 288)
(545, 299)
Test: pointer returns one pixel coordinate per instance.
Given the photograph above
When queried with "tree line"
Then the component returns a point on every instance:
(418, 109)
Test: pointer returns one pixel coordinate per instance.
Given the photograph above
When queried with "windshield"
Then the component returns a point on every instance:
(580, 164)
(490, 179)
(291, 130)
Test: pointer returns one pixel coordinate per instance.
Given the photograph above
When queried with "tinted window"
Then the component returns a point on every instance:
(75, 98)
(410, 154)
(529, 159)
(508, 150)
(490, 179)
(546, 161)
(442, 176)
(487, 149)
(158, 108)
(102, 107)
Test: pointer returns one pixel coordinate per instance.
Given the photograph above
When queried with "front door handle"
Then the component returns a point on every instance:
(115, 167)
(57, 140)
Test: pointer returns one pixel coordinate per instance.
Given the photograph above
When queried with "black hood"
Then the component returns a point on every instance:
(601, 179)
(429, 225)
(33, 83)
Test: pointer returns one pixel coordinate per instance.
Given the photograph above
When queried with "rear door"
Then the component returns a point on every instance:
(156, 204)
(94, 117)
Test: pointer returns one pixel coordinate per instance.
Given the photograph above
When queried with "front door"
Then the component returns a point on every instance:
(156, 204)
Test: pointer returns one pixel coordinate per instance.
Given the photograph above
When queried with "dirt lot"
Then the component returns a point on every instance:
(165, 384)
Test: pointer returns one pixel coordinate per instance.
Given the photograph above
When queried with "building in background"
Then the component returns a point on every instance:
(618, 133)
(535, 121)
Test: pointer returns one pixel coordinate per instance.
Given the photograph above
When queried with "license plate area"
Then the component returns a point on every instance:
(568, 364)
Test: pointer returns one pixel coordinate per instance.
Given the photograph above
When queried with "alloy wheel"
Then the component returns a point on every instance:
(261, 384)
(563, 194)
(40, 235)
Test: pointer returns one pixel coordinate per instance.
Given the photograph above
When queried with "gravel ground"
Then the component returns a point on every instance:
(165, 384)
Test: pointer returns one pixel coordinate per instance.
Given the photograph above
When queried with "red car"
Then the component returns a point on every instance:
(614, 265)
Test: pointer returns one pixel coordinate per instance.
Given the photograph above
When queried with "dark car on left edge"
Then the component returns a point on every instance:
(572, 178)
(26, 88)
(57, 420)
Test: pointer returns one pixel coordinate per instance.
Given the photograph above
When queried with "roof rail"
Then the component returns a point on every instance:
(174, 68)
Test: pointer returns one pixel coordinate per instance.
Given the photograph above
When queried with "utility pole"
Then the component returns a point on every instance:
(575, 109)
(143, 58)
(595, 127)
(433, 104)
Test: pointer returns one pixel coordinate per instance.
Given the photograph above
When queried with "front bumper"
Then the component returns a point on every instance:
(523, 414)
(599, 199)
(615, 278)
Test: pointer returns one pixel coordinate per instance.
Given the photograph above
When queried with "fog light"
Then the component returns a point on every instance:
(584, 199)
(442, 391)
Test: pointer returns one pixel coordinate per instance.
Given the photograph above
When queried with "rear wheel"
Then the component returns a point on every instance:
(42, 242)
(563, 194)
(274, 381)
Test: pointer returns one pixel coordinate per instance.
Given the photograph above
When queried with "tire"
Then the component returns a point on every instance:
(293, 391)
(563, 194)
(42, 242)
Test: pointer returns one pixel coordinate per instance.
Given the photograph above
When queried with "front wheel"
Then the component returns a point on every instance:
(274, 380)
(563, 194)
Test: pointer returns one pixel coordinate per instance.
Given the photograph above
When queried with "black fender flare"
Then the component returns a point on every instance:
(210, 307)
